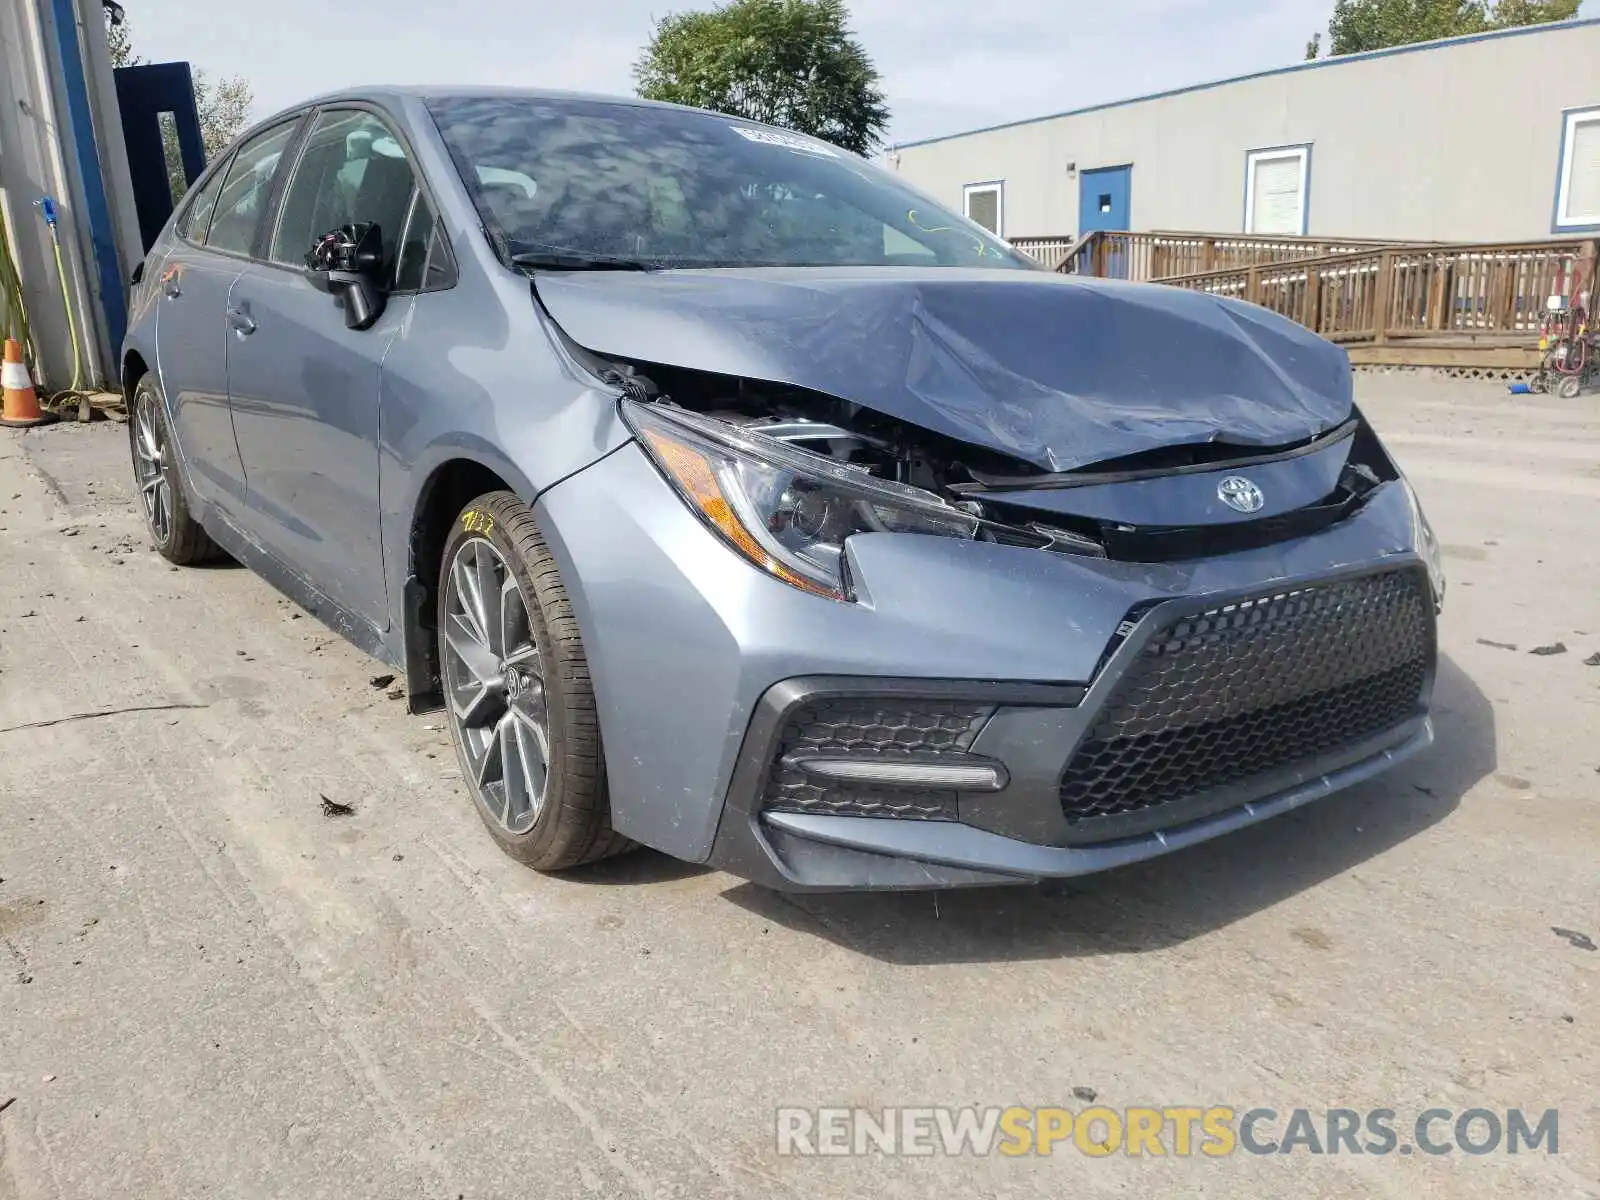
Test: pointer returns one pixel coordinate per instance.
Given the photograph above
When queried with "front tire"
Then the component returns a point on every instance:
(517, 690)
(173, 530)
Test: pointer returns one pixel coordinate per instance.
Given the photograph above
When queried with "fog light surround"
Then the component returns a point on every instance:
(968, 774)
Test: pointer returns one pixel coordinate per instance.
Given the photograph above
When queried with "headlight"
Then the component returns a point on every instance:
(786, 510)
(1427, 543)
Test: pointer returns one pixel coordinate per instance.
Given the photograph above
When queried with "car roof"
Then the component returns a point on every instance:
(379, 93)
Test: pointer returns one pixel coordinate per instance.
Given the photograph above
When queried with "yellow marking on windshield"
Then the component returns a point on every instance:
(979, 243)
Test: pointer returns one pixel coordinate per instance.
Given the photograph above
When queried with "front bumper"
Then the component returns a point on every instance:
(700, 665)
(817, 851)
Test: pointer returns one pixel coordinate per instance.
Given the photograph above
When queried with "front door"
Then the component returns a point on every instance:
(304, 386)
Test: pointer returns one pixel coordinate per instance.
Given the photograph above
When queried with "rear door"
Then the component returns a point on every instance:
(210, 249)
(304, 386)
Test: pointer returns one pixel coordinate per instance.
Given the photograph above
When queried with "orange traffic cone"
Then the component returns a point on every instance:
(21, 405)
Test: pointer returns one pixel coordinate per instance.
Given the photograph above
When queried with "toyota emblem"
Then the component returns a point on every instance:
(1240, 494)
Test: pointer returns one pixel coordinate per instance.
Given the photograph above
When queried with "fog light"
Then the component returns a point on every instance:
(971, 776)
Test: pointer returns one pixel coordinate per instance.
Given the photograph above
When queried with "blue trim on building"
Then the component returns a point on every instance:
(1343, 60)
(83, 147)
(1305, 198)
(1556, 227)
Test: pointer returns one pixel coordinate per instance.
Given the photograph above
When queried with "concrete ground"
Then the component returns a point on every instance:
(207, 988)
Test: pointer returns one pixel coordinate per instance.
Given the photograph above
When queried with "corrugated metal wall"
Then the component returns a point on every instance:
(1454, 142)
(45, 150)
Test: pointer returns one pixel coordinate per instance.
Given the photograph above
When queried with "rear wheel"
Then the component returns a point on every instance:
(517, 689)
(176, 534)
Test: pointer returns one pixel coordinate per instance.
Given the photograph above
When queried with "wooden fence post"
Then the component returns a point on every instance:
(1252, 285)
(1505, 303)
(1309, 313)
(1439, 291)
(1382, 289)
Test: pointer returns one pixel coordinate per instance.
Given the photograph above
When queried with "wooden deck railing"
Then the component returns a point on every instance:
(1410, 303)
(1477, 294)
(1051, 251)
(1160, 255)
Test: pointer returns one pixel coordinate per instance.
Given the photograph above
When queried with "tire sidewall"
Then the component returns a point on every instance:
(148, 393)
(557, 701)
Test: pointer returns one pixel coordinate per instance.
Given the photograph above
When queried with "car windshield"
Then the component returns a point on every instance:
(610, 181)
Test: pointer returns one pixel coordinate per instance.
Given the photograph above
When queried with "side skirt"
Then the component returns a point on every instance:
(358, 631)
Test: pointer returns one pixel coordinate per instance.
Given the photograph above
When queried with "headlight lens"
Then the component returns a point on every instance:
(786, 510)
(1427, 543)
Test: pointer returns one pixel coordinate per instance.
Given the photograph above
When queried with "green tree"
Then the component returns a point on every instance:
(791, 63)
(1359, 25)
(223, 104)
(1510, 13)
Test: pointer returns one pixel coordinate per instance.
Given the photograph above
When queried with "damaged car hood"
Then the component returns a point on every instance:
(1055, 370)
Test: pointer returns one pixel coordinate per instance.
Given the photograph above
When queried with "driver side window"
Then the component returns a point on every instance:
(353, 170)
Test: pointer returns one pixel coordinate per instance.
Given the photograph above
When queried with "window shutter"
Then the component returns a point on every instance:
(984, 208)
(1276, 205)
(1582, 205)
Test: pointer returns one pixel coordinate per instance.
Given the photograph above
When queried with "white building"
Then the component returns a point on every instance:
(1494, 137)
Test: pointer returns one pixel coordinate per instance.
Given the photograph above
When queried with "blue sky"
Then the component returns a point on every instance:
(947, 65)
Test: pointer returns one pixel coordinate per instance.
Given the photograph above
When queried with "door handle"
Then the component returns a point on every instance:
(240, 321)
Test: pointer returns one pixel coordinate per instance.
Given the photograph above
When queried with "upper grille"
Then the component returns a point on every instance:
(1251, 687)
(868, 726)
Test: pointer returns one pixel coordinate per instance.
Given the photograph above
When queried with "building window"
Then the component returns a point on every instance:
(985, 203)
(1578, 185)
(1277, 187)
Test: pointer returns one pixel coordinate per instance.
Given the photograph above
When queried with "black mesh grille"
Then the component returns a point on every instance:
(865, 727)
(1248, 688)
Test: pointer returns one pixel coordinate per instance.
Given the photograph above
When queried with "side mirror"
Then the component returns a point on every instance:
(347, 263)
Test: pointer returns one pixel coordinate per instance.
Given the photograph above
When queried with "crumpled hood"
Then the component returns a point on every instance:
(1052, 369)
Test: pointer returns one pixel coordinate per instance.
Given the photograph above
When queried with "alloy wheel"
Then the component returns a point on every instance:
(151, 468)
(494, 684)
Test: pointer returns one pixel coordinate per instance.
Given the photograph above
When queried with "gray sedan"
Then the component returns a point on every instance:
(735, 499)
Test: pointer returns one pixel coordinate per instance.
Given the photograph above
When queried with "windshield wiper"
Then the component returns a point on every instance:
(551, 260)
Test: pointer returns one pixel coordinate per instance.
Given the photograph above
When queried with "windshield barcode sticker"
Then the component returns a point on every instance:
(771, 137)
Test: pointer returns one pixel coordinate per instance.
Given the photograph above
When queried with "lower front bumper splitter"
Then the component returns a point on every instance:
(813, 852)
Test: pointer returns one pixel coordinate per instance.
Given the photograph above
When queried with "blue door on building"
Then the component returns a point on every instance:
(1104, 199)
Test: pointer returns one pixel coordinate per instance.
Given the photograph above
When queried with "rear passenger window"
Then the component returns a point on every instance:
(245, 193)
(196, 219)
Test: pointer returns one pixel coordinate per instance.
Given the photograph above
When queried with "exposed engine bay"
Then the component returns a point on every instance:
(1007, 500)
